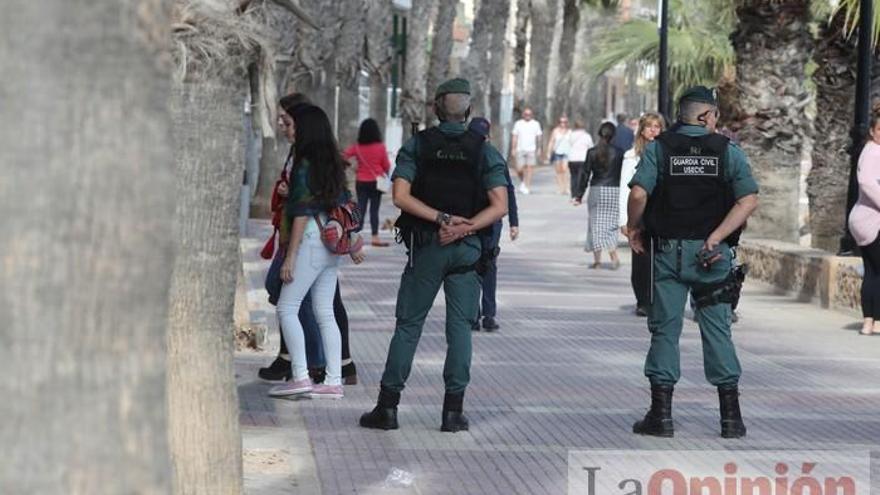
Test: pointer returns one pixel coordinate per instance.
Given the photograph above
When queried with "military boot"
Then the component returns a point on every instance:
(732, 425)
(384, 415)
(658, 420)
(453, 418)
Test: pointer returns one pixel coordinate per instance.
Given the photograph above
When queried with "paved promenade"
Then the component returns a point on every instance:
(563, 373)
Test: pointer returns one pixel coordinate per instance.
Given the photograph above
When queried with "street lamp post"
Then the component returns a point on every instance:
(663, 69)
(862, 112)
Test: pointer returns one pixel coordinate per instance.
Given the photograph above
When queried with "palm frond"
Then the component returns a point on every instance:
(699, 49)
(851, 10)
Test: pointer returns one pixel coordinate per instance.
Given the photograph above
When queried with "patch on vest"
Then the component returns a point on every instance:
(694, 166)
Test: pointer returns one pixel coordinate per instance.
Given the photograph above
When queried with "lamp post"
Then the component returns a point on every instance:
(663, 64)
(862, 113)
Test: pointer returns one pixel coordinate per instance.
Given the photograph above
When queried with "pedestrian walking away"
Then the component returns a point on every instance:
(649, 127)
(449, 183)
(525, 142)
(490, 240)
(559, 149)
(581, 142)
(864, 223)
(601, 173)
(372, 166)
(623, 135)
(317, 185)
(694, 190)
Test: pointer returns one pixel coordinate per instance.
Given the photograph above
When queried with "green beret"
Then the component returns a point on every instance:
(457, 85)
(701, 94)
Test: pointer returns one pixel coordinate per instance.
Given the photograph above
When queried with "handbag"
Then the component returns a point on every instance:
(383, 183)
(273, 276)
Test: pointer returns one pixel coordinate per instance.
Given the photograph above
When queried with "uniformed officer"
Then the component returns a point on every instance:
(694, 190)
(449, 184)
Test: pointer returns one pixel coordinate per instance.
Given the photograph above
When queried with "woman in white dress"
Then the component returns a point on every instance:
(650, 126)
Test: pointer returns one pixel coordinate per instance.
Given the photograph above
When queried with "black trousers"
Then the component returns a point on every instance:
(871, 280)
(341, 320)
(574, 169)
(640, 278)
(367, 192)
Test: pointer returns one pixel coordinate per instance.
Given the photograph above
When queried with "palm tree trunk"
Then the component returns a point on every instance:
(772, 44)
(523, 13)
(476, 65)
(413, 99)
(348, 57)
(564, 77)
(88, 201)
(827, 183)
(558, 9)
(379, 57)
(541, 40)
(202, 396)
(496, 73)
(441, 45)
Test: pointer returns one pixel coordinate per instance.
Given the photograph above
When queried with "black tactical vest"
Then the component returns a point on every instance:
(692, 196)
(448, 176)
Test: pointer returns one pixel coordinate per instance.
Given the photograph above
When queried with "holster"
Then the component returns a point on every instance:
(728, 291)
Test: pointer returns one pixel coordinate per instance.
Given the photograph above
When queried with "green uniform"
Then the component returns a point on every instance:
(430, 267)
(676, 272)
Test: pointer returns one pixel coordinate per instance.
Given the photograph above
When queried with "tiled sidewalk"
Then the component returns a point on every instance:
(563, 373)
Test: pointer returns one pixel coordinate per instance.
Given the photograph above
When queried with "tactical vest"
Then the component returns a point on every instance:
(448, 176)
(693, 195)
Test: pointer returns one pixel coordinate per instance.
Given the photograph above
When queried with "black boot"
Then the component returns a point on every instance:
(349, 374)
(658, 421)
(453, 418)
(732, 425)
(279, 370)
(384, 415)
(318, 374)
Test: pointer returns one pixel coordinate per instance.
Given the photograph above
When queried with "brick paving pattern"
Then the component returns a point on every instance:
(563, 373)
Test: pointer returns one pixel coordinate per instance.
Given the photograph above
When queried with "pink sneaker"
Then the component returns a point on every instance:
(297, 387)
(322, 391)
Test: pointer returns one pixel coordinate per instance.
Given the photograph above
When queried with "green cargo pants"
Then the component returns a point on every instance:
(431, 266)
(675, 273)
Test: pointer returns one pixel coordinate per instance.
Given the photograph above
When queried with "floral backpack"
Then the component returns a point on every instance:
(340, 233)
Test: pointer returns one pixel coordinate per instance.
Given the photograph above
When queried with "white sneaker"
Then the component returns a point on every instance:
(523, 189)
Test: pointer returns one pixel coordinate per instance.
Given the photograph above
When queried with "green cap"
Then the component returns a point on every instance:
(457, 85)
(701, 94)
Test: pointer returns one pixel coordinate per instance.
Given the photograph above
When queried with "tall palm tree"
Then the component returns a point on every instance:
(773, 45)
(834, 79)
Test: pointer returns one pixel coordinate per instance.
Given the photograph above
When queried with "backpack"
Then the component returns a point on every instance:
(340, 232)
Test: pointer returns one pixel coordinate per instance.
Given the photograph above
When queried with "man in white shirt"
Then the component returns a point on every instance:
(526, 145)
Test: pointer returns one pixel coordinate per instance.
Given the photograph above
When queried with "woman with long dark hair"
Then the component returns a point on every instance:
(864, 223)
(372, 164)
(601, 172)
(317, 184)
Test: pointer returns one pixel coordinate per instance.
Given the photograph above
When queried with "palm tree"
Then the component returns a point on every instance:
(441, 45)
(773, 45)
(834, 79)
(88, 202)
(413, 99)
(699, 47)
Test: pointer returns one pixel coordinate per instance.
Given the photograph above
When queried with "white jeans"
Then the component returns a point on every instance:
(316, 269)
